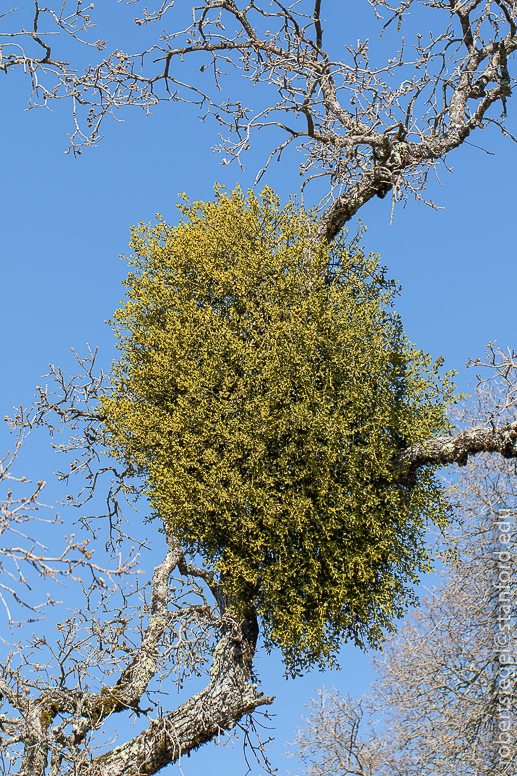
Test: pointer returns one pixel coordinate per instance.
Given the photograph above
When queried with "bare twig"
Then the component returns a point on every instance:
(369, 125)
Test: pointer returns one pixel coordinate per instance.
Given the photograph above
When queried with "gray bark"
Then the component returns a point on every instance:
(458, 447)
(228, 697)
(55, 725)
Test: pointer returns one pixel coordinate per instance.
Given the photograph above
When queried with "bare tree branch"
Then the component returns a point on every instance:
(498, 434)
(29, 556)
(367, 124)
(457, 448)
(228, 697)
(55, 720)
(72, 403)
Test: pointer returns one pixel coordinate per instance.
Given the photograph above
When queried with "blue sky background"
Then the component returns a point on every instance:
(64, 222)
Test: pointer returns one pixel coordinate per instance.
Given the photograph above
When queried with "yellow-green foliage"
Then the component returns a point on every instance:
(264, 405)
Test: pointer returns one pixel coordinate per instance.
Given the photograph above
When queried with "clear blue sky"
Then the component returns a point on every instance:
(65, 221)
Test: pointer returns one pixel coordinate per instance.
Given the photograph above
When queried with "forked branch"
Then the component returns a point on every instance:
(367, 123)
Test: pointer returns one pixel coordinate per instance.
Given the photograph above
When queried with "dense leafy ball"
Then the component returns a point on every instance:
(263, 399)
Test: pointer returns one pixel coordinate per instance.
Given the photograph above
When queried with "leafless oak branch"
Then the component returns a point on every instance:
(366, 121)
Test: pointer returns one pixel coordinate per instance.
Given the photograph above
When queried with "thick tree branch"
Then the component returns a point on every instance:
(458, 447)
(57, 719)
(228, 697)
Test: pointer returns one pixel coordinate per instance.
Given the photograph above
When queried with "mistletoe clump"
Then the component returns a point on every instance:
(265, 389)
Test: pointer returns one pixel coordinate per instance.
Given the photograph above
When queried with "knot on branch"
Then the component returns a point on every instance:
(477, 90)
(382, 181)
